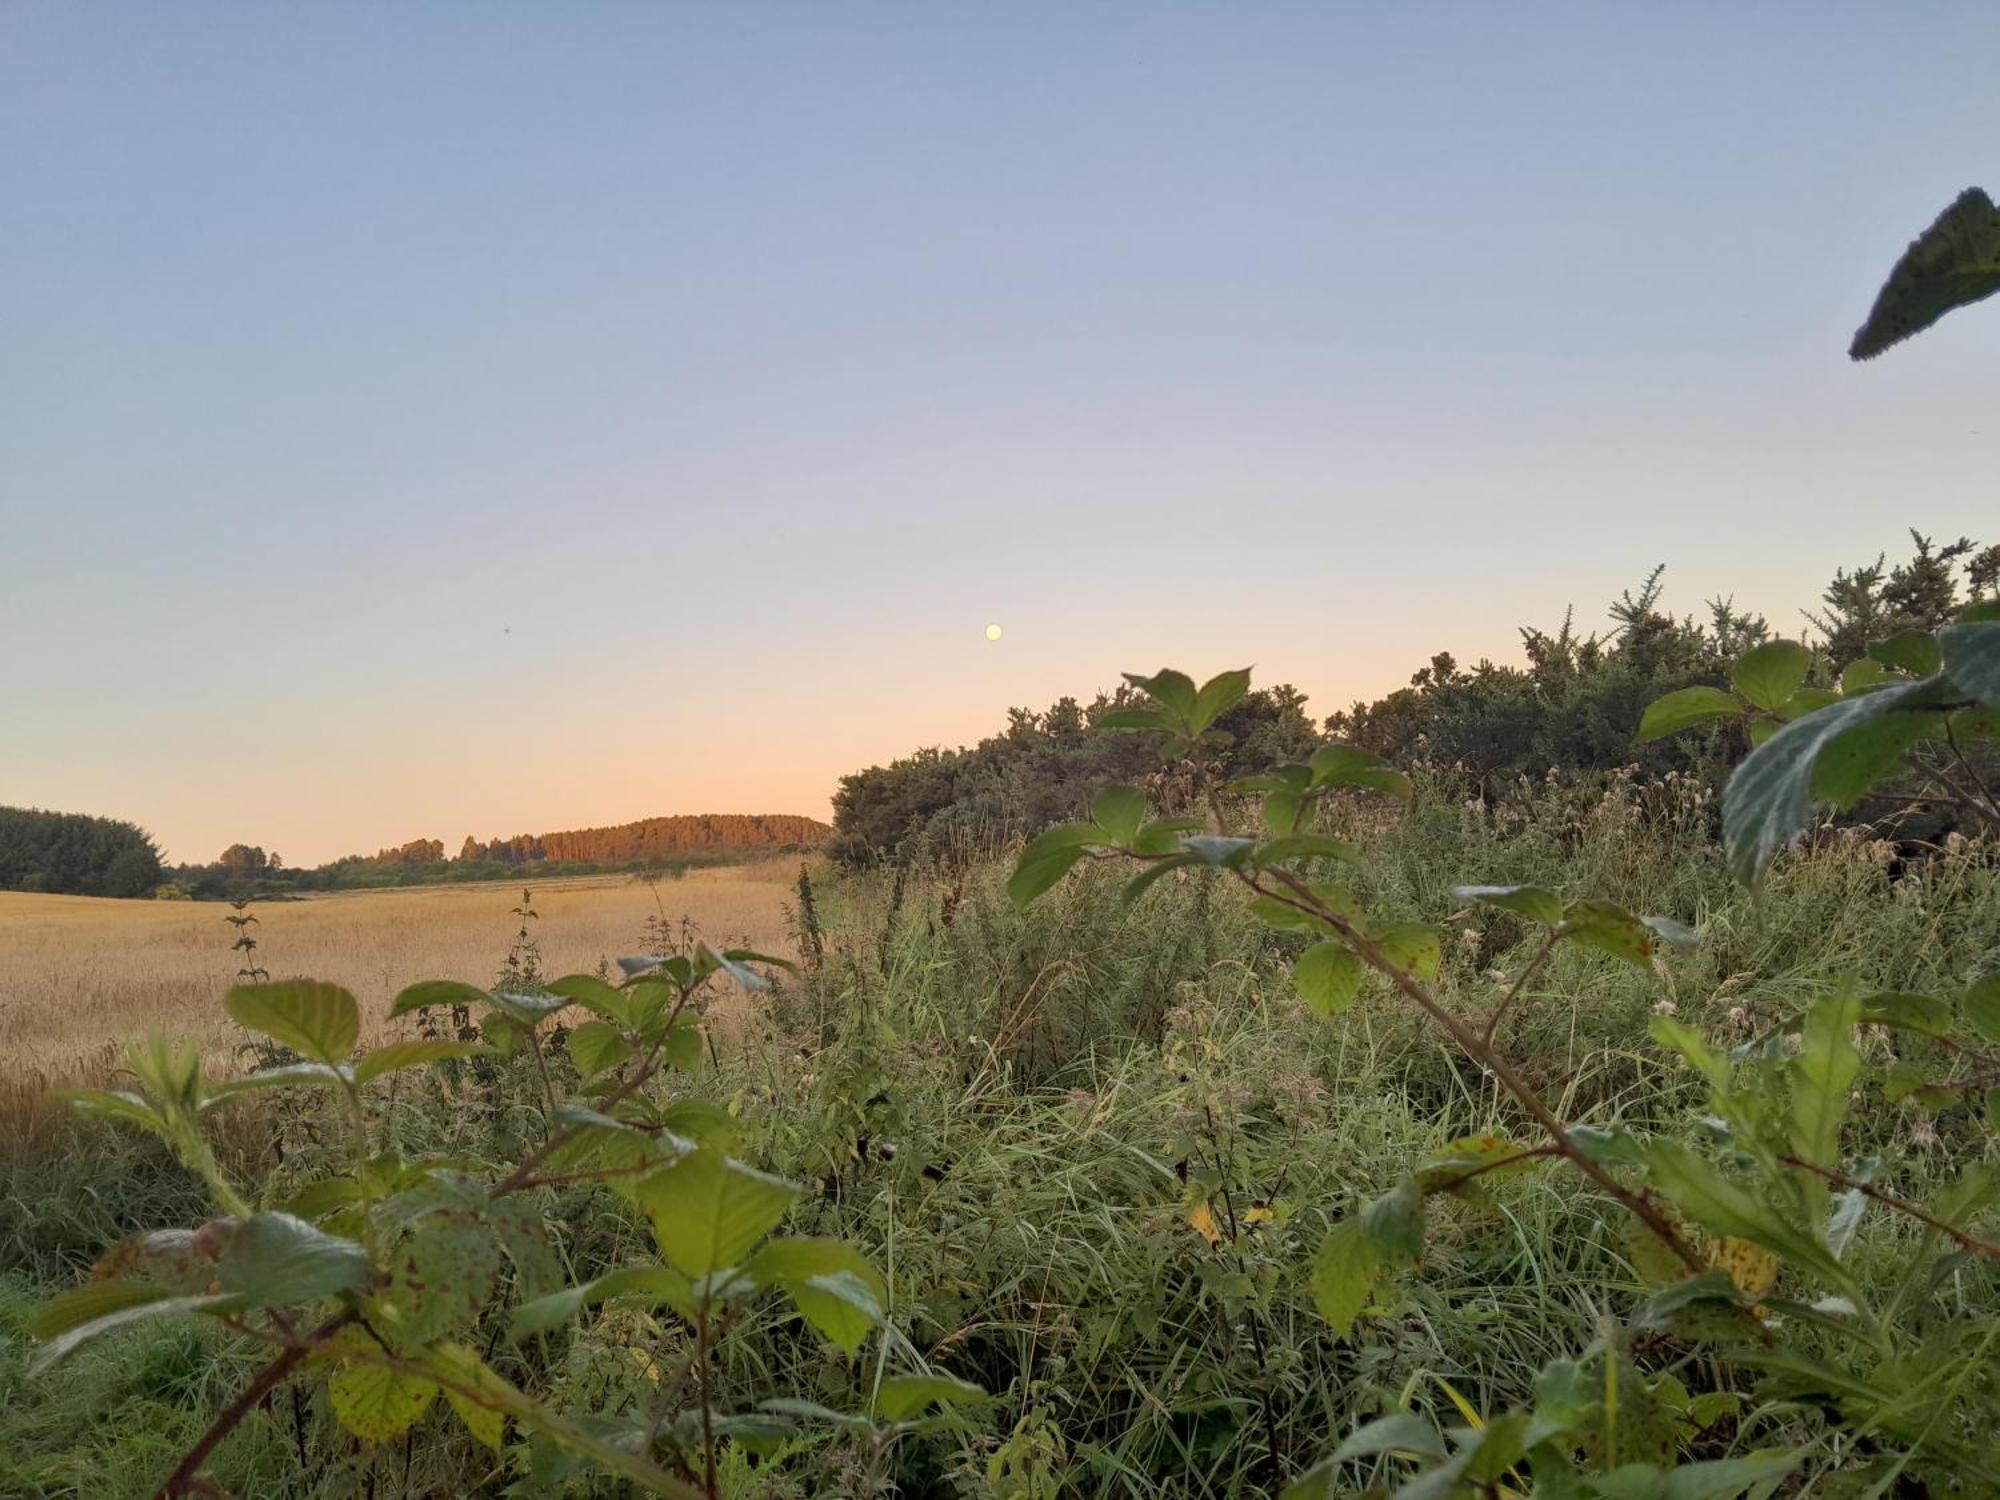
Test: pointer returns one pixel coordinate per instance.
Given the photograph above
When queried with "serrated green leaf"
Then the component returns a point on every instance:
(1952, 264)
(1119, 811)
(1394, 1224)
(1981, 1007)
(291, 1075)
(1685, 709)
(131, 1312)
(1328, 977)
(1805, 700)
(437, 992)
(651, 1286)
(1536, 903)
(594, 994)
(1219, 851)
(597, 1045)
(524, 1010)
(87, 1303)
(708, 1210)
(1971, 656)
(1769, 798)
(1349, 765)
(440, 1279)
(319, 1020)
(1912, 651)
(1133, 718)
(1767, 675)
(1823, 1073)
(1343, 1275)
(1679, 934)
(1049, 858)
(1139, 884)
(1173, 690)
(1412, 947)
(394, 1056)
(901, 1397)
(1919, 1013)
(830, 1282)
(1288, 847)
(275, 1260)
(1399, 1432)
(1218, 695)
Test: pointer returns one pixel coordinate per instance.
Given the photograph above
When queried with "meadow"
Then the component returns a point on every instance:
(82, 977)
(1091, 1147)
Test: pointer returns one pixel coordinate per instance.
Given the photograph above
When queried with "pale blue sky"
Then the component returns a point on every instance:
(431, 419)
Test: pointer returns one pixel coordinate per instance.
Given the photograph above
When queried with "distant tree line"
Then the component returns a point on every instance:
(650, 837)
(74, 854)
(663, 846)
(1571, 707)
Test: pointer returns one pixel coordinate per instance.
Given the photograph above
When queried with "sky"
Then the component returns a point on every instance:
(492, 418)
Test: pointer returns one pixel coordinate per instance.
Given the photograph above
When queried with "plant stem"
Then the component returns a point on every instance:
(1476, 1047)
(185, 1478)
(1514, 993)
(1964, 1241)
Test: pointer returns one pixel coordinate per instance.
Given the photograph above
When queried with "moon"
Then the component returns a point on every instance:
(992, 632)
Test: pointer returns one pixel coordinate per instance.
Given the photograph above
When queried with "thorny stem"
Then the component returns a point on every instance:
(1992, 808)
(1964, 1241)
(1520, 983)
(1476, 1047)
(185, 1479)
(701, 1333)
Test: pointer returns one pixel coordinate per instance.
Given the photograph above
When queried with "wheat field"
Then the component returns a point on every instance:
(81, 976)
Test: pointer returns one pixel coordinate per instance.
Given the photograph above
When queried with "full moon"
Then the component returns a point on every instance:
(992, 632)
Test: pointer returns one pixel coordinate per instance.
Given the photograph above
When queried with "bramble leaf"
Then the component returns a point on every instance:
(903, 1396)
(1536, 903)
(831, 1282)
(376, 1403)
(708, 1210)
(436, 992)
(319, 1020)
(1118, 811)
(1685, 709)
(1328, 977)
(597, 1045)
(1982, 1008)
(1971, 657)
(413, 1054)
(1343, 1274)
(1769, 674)
(275, 1260)
(1952, 264)
(1768, 801)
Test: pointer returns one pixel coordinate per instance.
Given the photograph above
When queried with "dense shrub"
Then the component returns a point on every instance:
(75, 854)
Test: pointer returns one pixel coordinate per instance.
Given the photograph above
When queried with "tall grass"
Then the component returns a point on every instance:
(1022, 1117)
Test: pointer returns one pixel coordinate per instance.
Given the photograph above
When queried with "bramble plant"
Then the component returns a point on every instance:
(1745, 1244)
(378, 1279)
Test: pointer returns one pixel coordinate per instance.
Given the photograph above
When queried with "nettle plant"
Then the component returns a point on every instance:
(1744, 1239)
(387, 1279)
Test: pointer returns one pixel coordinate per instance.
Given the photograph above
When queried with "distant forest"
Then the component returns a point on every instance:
(74, 854)
(1571, 708)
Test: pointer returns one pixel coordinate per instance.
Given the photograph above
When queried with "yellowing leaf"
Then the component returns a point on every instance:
(1202, 1219)
(1753, 1268)
(376, 1403)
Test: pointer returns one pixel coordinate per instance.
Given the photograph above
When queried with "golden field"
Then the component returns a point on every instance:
(82, 976)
